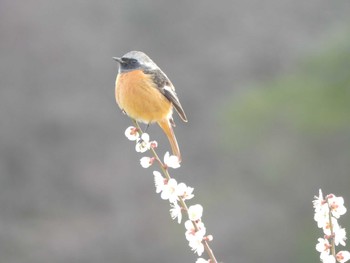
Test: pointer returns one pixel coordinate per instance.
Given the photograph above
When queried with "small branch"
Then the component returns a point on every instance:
(181, 200)
(331, 229)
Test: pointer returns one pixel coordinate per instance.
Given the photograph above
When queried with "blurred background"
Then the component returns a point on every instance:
(266, 88)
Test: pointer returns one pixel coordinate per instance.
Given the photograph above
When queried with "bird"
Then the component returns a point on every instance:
(145, 93)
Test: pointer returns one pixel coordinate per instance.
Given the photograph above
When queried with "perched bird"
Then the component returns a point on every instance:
(144, 93)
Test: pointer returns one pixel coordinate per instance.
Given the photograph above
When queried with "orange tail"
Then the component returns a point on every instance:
(168, 130)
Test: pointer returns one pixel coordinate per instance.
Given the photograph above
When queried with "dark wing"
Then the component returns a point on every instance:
(167, 89)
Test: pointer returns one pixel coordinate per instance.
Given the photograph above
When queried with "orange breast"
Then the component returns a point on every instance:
(138, 96)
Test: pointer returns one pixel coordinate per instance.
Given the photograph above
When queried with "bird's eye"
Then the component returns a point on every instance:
(133, 61)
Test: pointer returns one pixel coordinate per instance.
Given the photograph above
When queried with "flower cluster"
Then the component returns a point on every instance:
(327, 212)
(142, 141)
(176, 193)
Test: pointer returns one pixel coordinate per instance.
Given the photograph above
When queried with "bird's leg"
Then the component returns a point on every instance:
(138, 129)
(147, 127)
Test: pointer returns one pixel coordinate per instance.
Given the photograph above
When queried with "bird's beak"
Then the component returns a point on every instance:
(119, 60)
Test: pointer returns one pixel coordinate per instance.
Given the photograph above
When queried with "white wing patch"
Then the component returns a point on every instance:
(171, 89)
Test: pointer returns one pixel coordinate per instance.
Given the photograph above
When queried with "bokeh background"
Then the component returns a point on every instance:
(266, 88)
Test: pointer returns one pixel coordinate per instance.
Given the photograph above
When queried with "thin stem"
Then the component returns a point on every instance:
(165, 171)
(182, 202)
(331, 228)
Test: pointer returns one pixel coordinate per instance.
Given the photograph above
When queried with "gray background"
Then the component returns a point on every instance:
(71, 189)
